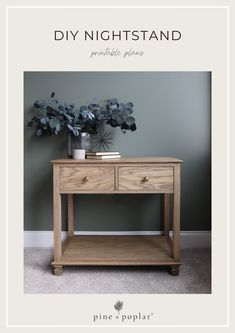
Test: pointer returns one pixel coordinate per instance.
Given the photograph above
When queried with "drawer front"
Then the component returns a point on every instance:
(73, 179)
(141, 178)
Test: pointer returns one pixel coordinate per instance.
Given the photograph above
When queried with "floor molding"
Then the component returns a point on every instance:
(188, 239)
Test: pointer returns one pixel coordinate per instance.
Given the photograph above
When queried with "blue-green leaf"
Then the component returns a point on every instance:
(57, 127)
(39, 132)
(130, 121)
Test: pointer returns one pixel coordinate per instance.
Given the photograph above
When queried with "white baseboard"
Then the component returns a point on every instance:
(188, 239)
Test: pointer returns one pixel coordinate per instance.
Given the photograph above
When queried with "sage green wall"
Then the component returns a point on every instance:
(172, 110)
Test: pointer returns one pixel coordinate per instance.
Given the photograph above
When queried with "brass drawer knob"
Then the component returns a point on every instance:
(145, 179)
(85, 179)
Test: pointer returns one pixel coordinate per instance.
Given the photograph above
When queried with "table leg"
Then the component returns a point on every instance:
(57, 215)
(70, 215)
(166, 214)
(176, 215)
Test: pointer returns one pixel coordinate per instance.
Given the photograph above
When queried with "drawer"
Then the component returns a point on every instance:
(75, 179)
(146, 178)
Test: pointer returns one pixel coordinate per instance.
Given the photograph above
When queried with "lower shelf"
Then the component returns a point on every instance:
(117, 250)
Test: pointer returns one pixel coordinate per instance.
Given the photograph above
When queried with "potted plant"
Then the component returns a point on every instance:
(53, 117)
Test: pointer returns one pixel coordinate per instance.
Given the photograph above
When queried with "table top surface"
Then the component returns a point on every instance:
(119, 160)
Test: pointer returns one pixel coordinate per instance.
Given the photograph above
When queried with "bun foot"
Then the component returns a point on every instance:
(58, 270)
(174, 270)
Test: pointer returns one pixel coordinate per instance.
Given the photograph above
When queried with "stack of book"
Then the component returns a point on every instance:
(103, 155)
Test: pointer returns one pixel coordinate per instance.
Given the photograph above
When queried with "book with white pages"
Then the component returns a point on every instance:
(102, 157)
(102, 153)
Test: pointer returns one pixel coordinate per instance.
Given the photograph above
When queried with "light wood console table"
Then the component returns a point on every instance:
(125, 175)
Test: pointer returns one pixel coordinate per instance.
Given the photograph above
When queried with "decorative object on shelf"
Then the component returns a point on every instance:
(82, 141)
(78, 145)
(102, 140)
(103, 155)
(79, 154)
(113, 113)
(54, 117)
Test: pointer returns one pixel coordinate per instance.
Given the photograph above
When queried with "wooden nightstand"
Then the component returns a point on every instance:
(125, 175)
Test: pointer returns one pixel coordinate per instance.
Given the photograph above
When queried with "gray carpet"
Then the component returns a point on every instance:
(194, 278)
